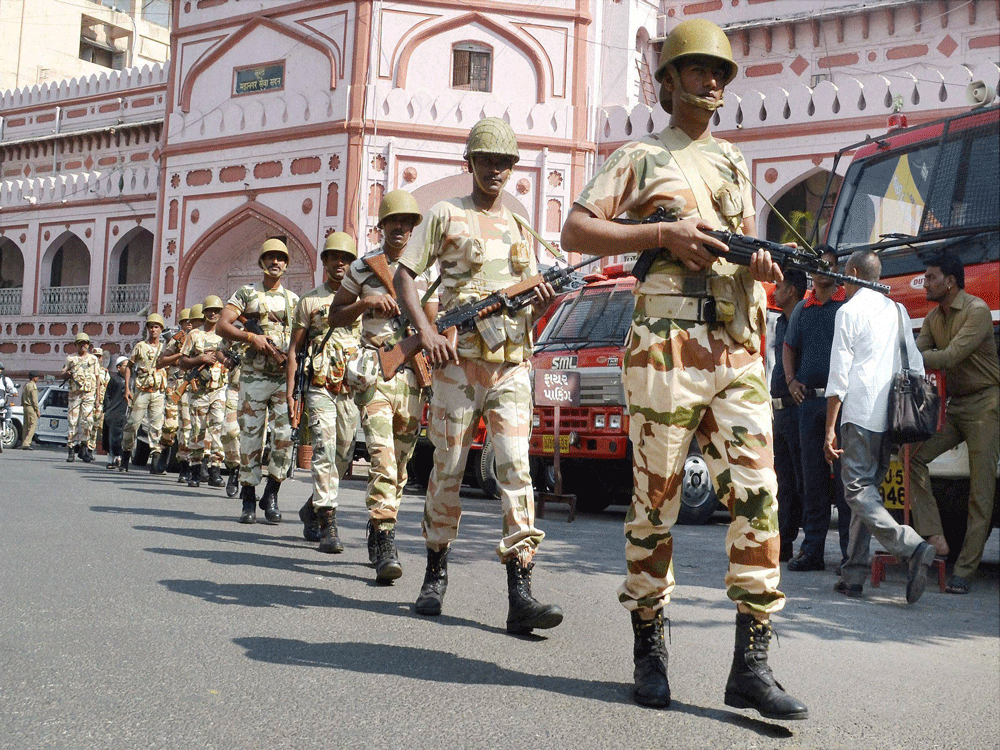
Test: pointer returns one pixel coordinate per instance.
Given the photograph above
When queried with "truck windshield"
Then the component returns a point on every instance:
(597, 316)
(934, 186)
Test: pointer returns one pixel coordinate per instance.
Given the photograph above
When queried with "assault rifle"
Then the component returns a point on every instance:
(253, 325)
(742, 248)
(478, 315)
(299, 390)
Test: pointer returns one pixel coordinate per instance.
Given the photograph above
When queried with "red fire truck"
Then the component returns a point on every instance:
(906, 194)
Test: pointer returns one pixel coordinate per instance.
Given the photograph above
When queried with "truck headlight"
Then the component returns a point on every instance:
(599, 421)
(615, 421)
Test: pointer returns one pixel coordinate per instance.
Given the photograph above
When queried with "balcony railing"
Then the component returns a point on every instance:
(10, 301)
(128, 298)
(64, 300)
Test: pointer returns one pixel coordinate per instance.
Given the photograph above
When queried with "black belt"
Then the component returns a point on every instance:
(784, 402)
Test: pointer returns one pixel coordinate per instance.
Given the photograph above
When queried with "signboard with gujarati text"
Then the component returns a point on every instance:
(557, 388)
(259, 78)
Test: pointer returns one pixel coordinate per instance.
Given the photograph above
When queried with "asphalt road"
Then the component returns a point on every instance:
(136, 613)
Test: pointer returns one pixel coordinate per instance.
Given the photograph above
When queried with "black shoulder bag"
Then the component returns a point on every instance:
(914, 404)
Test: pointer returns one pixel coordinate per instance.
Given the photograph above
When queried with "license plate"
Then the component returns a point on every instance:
(549, 443)
(892, 486)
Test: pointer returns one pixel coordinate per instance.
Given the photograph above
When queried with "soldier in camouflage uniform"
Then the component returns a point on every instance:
(103, 377)
(231, 427)
(170, 361)
(81, 371)
(150, 382)
(479, 249)
(184, 408)
(329, 404)
(262, 378)
(693, 364)
(205, 355)
(394, 410)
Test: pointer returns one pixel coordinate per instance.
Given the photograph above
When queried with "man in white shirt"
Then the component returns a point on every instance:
(864, 359)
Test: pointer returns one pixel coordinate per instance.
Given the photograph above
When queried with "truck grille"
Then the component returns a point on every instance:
(601, 386)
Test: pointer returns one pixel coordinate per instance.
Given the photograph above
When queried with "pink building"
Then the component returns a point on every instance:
(150, 188)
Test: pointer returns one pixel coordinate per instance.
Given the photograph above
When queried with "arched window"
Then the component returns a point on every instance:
(472, 67)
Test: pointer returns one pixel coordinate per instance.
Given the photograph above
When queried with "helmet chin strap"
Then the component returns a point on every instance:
(703, 102)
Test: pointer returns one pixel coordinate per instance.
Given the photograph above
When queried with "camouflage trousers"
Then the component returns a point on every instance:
(500, 393)
(170, 417)
(80, 415)
(145, 404)
(687, 379)
(333, 422)
(231, 429)
(393, 424)
(208, 416)
(184, 427)
(259, 395)
(96, 427)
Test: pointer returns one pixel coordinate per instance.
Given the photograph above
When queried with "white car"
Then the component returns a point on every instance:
(53, 402)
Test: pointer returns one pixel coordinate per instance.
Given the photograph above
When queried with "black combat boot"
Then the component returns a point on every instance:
(154, 458)
(372, 543)
(233, 485)
(650, 656)
(203, 473)
(524, 612)
(184, 474)
(431, 596)
(329, 541)
(310, 522)
(269, 500)
(249, 496)
(215, 476)
(751, 684)
(194, 476)
(86, 456)
(387, 567)
(158, 466)
(71, 454)
(126, 457)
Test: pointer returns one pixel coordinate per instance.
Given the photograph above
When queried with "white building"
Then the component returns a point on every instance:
(153, 187)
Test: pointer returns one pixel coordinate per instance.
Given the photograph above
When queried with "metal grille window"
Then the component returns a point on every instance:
(595, 317)
(472, 67)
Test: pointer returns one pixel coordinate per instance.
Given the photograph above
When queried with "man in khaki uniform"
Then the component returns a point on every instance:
(204, 353)
(262, 377)
(29, 402)
(147, 401)
(103, 376)
(170, 361)
(693, 366)
(81, 372)
(329, 403)
(393, 413)
(479, 248)
(957, 337)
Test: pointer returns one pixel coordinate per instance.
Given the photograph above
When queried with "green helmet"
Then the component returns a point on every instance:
(273, 245)
(211, 302)
(81, 338)
(196, 313)
(156, 318)
(340, 242)
(697, 36)
(398, 203)
(491, 135)
(185, 315)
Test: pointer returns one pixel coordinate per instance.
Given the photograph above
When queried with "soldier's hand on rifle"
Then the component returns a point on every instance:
(264, 345)
(438, 349)
(293, 412)
(383, 304)
(763, 268)
(545, 295)
(686, 242)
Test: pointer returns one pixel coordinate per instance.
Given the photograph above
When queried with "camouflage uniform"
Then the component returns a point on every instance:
(150, 383)
(262, 383)
(207, 400)
(332, 413)
(685, 378)
(103, 377)
(171, 401)
(393, 414)
(478, 253)
(231, 425)
(82, 370)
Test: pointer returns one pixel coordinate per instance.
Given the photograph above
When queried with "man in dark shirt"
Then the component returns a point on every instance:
(116, 411)
(806, 364)
(787, 453)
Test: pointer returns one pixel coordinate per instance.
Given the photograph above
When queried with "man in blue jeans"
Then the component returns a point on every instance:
(806, 364)
(864, 359)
